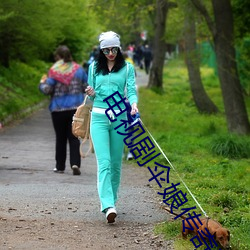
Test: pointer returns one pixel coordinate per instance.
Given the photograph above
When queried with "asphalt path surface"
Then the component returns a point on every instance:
(40, 209)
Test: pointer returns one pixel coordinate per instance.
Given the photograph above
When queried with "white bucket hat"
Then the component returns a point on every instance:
(109, 39)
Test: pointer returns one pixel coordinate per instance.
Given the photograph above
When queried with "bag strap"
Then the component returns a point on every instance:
(126, 83)
(93, 70)
(87, 136)
(93, 73)
(85, 99)
(84, 155)
(127, 73)
(85, 139)
(91, 148)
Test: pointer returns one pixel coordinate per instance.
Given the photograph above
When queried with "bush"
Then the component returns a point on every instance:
(231, 146)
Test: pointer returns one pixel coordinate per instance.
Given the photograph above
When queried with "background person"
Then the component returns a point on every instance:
(92, 57)
(65, 83)
(138, 55)
(109, 76)
(147, 54)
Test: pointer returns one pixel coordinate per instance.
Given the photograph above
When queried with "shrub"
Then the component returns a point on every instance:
(231, 146)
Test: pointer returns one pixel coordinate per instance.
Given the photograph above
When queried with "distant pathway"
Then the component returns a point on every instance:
(141, 78)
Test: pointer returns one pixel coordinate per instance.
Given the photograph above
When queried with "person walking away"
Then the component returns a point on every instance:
(92, 56)
(106, 76)
(147, 54)
(66, 83)
(139, 56)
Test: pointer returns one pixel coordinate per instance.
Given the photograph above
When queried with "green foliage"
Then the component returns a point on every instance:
(241, 17)
(173, 229)
(128, 18)
(223, 200)
(210, 129)
(176, 19)
(219, 183)
(231, 146)
(29, 33)
(19, 87)
(243, 60)
(175, 24)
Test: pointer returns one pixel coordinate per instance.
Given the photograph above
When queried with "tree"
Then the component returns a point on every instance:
(201, 99)
(28, 33)
(223, 38)
(127, 17)
(159, 44)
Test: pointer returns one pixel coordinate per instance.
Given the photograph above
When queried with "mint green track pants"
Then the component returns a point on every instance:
(108, 146)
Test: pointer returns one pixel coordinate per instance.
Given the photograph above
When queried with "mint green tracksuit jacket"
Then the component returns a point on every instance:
(108, 144)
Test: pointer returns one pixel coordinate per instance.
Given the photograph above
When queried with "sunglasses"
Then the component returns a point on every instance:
(106, 51)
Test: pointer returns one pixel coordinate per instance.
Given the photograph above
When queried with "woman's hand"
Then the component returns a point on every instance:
(134, 109)
(90, 91)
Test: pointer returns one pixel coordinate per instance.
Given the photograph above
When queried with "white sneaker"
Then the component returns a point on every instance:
(58, 171)
(129, 156)
(111, 214)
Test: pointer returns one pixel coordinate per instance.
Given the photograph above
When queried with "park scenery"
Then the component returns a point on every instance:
(194, 101)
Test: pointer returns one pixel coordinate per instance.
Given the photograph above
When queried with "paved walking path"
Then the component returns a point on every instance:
(40, 209)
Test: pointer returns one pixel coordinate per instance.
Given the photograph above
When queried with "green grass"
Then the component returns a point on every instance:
(214, 164)
(19, 87)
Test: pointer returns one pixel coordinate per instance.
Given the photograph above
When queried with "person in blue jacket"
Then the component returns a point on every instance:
(108, 74)
(65, 83)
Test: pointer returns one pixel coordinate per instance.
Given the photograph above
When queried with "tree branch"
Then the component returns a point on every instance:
(202, 9)
(172, 5)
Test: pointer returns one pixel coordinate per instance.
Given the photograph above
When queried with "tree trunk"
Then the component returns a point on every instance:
(201, 99)
(159, 47)
(223, 38)
(235, 109)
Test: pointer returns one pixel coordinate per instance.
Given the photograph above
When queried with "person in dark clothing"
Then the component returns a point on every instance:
(147, 54)
(93, 55)
(65, 83)
(138, 55)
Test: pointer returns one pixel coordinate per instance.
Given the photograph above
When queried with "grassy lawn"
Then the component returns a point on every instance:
(214, 164)
(19, 88)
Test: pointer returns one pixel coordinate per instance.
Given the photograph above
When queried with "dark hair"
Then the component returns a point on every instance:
(64, 53)
(102, 67)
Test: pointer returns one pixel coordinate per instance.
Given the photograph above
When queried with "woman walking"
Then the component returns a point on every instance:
(65, 84)
(108, 74)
